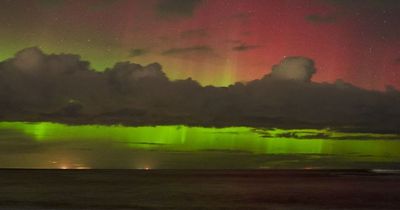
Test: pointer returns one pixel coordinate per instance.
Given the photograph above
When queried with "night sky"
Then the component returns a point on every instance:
(215, 42)
(199, 84)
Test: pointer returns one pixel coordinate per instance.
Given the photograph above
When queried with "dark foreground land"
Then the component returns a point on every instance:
(188, 189)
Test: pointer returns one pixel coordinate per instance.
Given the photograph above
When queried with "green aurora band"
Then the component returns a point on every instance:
(233, 139)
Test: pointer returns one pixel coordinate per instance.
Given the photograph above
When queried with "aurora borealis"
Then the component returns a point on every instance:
(203, 84)
(200, 104)
(216, 42)
(57, 146)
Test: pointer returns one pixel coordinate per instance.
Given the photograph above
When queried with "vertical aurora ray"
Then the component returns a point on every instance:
(235, 139)
(244, 38)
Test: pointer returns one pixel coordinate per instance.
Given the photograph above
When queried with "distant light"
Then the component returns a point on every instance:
(64, 167)
(147, 168)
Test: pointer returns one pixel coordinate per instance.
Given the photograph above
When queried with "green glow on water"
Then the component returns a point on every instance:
(233, 139)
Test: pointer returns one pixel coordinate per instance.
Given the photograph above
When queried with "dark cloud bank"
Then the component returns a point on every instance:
(38, 87)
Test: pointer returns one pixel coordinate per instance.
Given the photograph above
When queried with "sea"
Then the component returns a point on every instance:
(105, 189)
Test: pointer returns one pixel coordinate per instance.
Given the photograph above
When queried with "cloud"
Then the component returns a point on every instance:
(28, 59)
(245, 47)
(137, 52)
(35, 86)
(194, 33)
(294, 68)
(317, 18)
(198, 49)
(177, 8)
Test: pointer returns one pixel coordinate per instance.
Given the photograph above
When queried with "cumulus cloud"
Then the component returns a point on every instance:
(28, 59)
(294, 68)
(35, 86)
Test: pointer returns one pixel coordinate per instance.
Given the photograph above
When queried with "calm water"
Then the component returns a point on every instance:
(198, 189)
(51, 145)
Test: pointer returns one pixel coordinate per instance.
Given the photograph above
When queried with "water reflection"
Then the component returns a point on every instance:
(92, 146)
